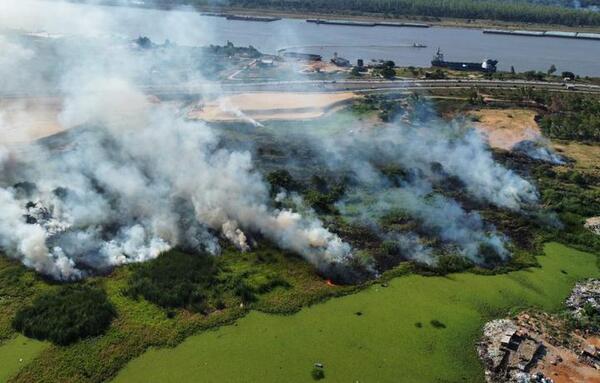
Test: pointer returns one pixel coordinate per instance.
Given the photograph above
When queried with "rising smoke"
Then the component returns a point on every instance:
(133, 179)
(429, 151)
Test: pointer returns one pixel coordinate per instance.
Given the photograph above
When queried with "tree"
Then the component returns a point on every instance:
(569, 75)
(388, 72)
(512, 70)
(355, 71)
(551, 70)
(174, 280)
(66, 315)
(281, 179)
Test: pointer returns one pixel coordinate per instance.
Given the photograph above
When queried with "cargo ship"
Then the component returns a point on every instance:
(486, 66)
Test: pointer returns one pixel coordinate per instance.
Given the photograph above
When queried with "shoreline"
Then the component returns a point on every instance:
(430, 20)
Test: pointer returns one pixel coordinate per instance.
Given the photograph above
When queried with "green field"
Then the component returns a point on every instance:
(384, 344)
(16, 353)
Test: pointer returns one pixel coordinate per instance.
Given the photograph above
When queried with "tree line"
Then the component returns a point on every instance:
(513, 11)
(572, 117)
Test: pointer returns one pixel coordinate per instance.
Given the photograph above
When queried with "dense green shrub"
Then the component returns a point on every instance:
(281, 179)
(66, 315)
(174, 279)
(317, 373)
(321, 195)
(572, 117)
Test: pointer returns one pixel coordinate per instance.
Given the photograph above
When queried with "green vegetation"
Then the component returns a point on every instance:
(16, 353)
(387, 106)
(317, 373)
(175, 279)
(572, 117)
(383, 344)
(278, 282)
(515, 11)
(66, 315)
(17, 288)
(418, 326)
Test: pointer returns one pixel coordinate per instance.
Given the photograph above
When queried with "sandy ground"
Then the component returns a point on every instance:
(25, 120)
(586, 156)
(269, 106)
(570, 370)
(323, 67)
(506, 127)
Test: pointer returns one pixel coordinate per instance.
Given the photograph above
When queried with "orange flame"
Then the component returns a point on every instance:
(329, 283)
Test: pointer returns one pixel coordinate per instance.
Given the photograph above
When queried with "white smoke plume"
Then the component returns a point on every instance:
(537, 147)
(430, 151)
(131, 178)
(461, 152)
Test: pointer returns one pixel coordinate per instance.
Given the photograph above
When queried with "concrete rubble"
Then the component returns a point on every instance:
(509, 353)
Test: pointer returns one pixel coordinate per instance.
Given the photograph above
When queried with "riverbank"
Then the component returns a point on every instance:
(434, 21)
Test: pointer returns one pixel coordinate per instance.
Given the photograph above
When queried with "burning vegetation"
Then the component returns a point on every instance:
(206, 220)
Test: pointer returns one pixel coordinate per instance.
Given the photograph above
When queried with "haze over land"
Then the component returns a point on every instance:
(158, 180)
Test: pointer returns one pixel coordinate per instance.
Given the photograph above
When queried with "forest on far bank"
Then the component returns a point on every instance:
(530, 11)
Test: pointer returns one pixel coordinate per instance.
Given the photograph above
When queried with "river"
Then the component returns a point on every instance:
(186, 27)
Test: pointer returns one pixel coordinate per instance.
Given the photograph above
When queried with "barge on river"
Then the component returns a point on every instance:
(488, 66)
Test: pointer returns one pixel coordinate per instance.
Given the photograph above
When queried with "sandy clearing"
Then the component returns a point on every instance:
(506, 127)
(586, 156)
(26, 120)
(269, 106)
(570, 370)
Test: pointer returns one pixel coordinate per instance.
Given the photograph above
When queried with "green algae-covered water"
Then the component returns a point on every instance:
(382, 334)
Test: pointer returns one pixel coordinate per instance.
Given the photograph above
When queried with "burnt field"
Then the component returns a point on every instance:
(296, 159)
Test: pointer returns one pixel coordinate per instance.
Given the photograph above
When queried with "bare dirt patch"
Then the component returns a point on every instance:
(269, 106)
(26, 120)
(506, 127)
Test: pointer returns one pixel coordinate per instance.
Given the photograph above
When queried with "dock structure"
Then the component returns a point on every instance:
(351, 23)
(561, 34)
(301, 56)
(341, 22)
(409, 25)
(264, 19)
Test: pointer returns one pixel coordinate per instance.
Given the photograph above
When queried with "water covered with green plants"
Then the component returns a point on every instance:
(416, 329)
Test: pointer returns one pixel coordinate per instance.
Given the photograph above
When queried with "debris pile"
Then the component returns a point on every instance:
(509, 352)
(593, 225)
(584, 294)
(538, 347)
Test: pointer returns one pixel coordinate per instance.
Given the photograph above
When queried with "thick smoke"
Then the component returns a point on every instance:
(131, 178)
(438, 216)
(428, 151)
(455, 150)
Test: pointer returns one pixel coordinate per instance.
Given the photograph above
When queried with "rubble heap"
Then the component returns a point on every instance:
(587, 292)
(509, 353)
(593, 225)
(534, 346)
